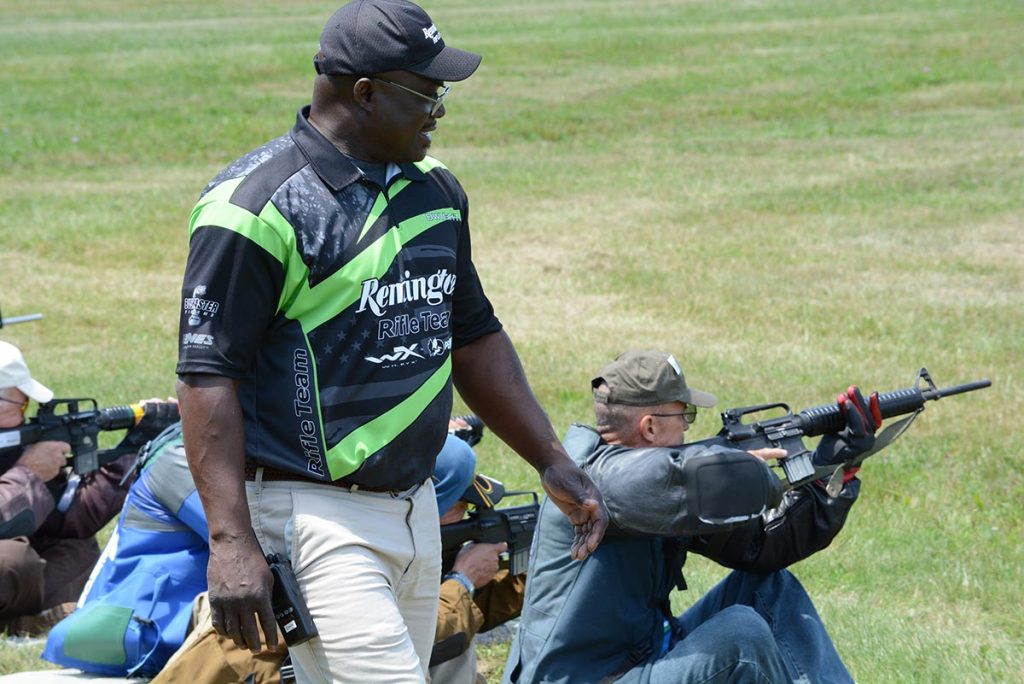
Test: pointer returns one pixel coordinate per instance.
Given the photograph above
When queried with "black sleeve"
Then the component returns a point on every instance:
(472, 313)
(98, 499)
(230, 294)
(806, 523)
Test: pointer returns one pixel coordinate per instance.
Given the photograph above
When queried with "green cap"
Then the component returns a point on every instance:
(648, 378)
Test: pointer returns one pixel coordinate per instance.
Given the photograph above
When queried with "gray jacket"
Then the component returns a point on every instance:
(593, 620)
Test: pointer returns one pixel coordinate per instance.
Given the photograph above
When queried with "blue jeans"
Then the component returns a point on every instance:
(752, 628)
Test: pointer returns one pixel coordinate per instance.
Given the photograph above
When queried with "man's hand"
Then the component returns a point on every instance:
(768, 453)
(45, 459)
(479, 562)
(239, 579)
(488, 375)
(863, 417)
(240, 588)
(577, 496)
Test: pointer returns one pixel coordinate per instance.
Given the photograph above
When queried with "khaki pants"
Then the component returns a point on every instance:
(369, 567)
(38, 575)
(458, 670)
(208, 658)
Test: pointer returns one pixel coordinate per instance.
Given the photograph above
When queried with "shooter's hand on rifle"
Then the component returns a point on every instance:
(768, 453)
(863, 418)
(157, 415)
(479, 562)
(469, 428)
(45, 459)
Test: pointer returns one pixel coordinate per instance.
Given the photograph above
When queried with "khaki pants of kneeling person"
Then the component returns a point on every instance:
(369, 567)
(209, 658)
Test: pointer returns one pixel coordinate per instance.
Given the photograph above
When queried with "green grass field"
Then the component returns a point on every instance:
(790, 196)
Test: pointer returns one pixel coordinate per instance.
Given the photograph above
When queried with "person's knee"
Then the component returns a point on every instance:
(735, 645)
(16, 553)
(784, 586)
(750, 637)
(21, 578)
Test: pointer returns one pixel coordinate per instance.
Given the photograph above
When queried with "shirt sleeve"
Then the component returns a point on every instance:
(25, 502)
(501, 599)
(192, 514)
(806, 522)
(230, 295)
(98, 499)
(681, 491)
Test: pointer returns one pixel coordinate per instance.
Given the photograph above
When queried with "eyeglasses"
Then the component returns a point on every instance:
(689, 415)
(23, 405)
(435, 102)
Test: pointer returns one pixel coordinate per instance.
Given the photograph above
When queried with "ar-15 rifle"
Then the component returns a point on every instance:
(78, 427)
(512, 524)
(787, 431)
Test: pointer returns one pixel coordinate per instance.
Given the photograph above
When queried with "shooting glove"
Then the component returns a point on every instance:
(473, 433)
(863, 418)
(157, 416)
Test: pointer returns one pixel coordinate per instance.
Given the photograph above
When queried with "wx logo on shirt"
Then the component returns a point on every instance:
(399, 353)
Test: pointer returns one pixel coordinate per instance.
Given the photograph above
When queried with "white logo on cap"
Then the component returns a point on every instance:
(675, 364)
(432, 33)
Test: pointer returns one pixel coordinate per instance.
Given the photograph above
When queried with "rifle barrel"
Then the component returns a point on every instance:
(826, 419)
(957, 389)
(19, 319)
(120, 417)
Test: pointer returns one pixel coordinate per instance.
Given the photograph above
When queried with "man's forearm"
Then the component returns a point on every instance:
(490, 379)
(810, 522)
(238, 577)
(215, 449)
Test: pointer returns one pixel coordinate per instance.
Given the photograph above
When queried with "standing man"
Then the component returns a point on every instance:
(330, 303)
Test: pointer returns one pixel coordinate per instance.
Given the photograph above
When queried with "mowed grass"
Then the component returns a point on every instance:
(790, 196)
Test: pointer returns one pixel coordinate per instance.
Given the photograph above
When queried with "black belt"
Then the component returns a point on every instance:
(278, 475)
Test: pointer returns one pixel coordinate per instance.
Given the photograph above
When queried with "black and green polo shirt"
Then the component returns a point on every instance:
(336, 304)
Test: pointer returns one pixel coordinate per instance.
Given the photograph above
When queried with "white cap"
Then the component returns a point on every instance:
(14, 373)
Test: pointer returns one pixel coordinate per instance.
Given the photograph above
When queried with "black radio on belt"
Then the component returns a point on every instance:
(289, 607)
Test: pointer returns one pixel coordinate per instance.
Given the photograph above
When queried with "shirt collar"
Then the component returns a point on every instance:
(333, 167)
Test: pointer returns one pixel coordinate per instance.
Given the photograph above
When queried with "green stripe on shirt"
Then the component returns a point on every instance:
(346, 456)
(314, 306)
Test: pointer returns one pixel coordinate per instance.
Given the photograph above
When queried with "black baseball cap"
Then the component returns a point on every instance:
(483, 492)
(372, 36)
